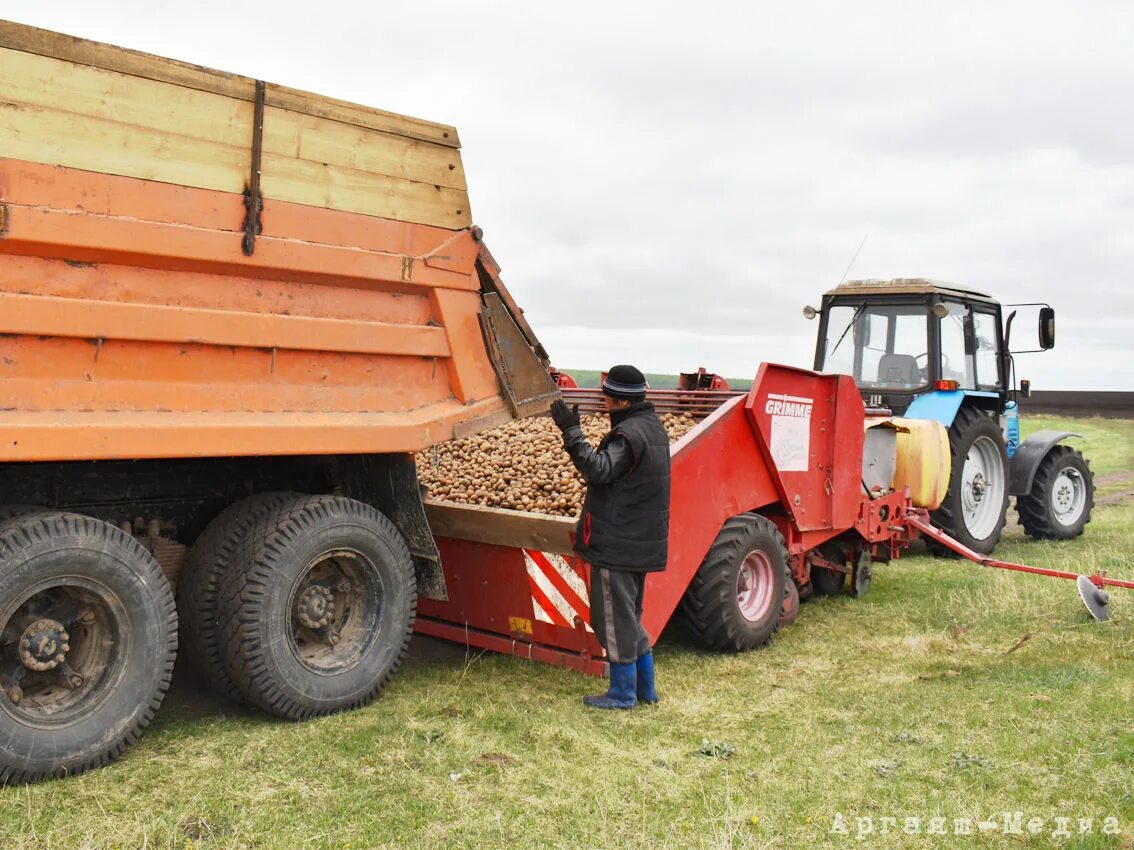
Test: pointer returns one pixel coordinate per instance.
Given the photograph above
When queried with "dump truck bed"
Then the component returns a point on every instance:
(198, 264)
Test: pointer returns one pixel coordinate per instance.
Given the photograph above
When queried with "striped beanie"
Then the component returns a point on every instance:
(624, 382)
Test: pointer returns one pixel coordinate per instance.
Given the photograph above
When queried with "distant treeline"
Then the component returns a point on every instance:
(590, 378)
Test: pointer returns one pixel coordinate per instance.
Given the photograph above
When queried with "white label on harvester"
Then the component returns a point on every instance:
(791, 431)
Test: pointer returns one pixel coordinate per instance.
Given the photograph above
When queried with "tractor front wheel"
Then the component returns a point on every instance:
(974, 509)
(1062, 495)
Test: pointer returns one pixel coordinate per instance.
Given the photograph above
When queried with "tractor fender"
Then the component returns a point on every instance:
(1023, 464)
(939, 405)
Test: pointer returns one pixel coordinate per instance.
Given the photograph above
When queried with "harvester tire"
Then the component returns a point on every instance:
(197, 589)
(90, 639)
(736, 597)
(317, 607)
(1062, 495)
(827, 582)
(976, 504)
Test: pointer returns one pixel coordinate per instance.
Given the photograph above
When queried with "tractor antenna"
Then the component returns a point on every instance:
(855, 257)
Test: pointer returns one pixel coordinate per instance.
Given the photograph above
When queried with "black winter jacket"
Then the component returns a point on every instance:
(625, 520)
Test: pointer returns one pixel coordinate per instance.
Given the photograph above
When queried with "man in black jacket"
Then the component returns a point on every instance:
(623, 531)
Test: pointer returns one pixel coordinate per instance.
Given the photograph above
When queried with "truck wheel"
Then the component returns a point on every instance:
(8, 512)
(974, 509)
(735, 598)
(197, 590)
(317, 607)
(1063, 493)
(89, 637)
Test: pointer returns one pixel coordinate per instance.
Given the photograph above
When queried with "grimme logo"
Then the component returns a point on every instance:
(788, 405)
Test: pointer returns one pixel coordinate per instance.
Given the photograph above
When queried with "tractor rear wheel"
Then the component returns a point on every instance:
(1062, 495)
(89, 636)
(975, 507)
(736, 597)
(317, 608)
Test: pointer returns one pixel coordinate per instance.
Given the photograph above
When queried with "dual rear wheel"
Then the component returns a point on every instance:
(299, 605)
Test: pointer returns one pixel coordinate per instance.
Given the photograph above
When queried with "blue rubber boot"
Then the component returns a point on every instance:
(647, 691)
(623, 687)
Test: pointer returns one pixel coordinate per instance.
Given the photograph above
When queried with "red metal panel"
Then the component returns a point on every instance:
(810, 432)
(490, 591)
(717, 471)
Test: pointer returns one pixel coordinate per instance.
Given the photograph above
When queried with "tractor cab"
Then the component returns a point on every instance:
(926, 350)
(903, 339)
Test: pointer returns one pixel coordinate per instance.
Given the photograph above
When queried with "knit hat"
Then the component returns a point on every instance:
(624, 382)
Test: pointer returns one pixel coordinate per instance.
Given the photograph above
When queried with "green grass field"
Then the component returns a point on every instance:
(948, 692)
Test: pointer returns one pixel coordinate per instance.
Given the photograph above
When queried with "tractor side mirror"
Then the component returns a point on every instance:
(1047, 328)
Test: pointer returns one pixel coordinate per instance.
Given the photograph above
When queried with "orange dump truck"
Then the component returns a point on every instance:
(216, 295)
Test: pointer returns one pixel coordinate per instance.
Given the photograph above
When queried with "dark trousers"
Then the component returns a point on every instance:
(616, 613)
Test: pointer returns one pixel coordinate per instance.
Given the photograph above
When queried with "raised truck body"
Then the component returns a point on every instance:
(229, 311)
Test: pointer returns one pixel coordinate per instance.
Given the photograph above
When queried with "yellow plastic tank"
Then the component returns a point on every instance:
(923, 462)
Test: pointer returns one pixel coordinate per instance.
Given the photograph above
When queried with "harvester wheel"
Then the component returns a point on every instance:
(736, 597)
(89, 638)
(197, 589)
(827, 582)
(1063, 493)
(977, 502)
(317, 608)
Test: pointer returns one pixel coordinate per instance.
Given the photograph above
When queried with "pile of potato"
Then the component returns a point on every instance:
(521, 466)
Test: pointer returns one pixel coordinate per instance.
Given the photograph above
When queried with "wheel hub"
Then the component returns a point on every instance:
(44, 645)
(754, 583)
(979, 487)
(315, 607)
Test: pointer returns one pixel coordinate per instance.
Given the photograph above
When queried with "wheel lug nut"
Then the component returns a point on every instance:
(15, 693)
(64, 649)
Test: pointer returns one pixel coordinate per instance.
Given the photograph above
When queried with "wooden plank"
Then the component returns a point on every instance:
(92, 144)
(301, 181)
(69, 48)
(89, 319)
(500, 527)
(323, 140)
(51, 233)
(78, 141)
(64, 86)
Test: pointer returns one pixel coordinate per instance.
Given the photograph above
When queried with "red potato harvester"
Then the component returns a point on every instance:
(783, 491)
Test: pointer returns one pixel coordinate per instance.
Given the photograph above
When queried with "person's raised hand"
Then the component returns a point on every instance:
(565, 417)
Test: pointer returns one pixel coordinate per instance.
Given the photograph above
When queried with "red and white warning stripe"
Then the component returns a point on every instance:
(558, 591)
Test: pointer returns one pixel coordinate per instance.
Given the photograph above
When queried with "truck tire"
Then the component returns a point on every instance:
(200, 581)
(317, 607)
(89, 640)
(8, 512)
(976, 504)
(1062, 495)
(736, 596)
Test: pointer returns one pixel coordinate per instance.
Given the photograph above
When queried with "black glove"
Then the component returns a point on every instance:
(565, 417)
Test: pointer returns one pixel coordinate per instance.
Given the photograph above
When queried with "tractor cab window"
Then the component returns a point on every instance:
(970, 348)
(880, 345)
(956, 365)
(987, 355)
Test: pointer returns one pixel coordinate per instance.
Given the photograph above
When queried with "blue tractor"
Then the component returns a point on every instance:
(928, 350)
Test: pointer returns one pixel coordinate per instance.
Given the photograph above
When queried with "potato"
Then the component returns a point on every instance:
(520, 465)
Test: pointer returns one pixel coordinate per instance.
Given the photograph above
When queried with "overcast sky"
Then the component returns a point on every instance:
(669, 184)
